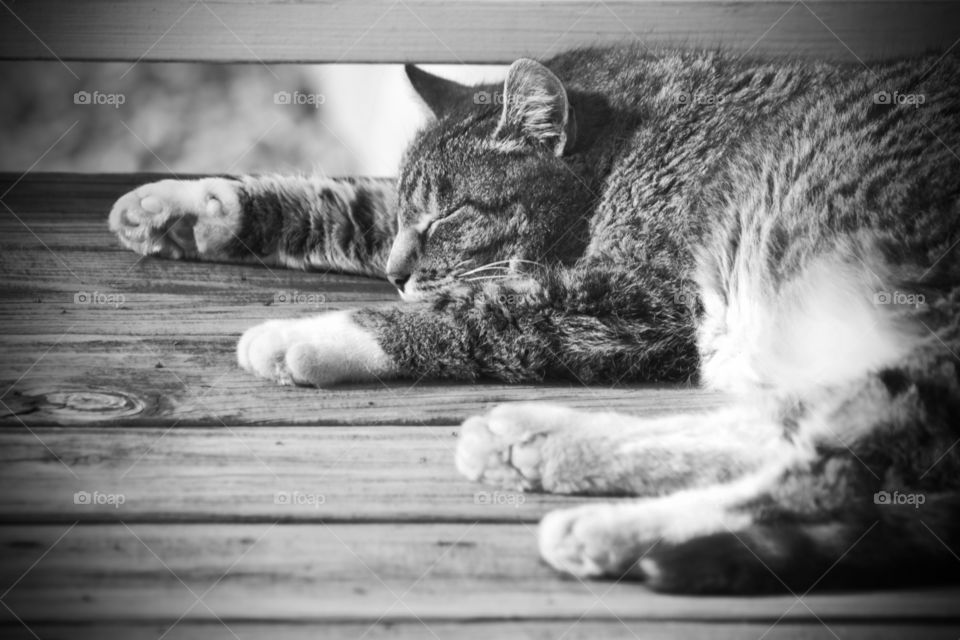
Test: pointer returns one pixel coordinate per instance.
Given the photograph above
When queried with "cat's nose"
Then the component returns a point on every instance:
(398, 280)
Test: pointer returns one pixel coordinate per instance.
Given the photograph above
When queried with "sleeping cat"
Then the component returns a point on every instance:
(783, 230)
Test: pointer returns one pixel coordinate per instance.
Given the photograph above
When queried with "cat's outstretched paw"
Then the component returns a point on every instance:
(589, 542)
(511, 445)
(178, 218)
(319, 351)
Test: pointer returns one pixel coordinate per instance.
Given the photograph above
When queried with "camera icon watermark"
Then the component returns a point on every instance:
(299, 298)
(299, 98)
(898, 498)
(299, 499)
(486, 97)
(96, 498)
(98, 299)
(687, 295)
(98, 98)
(897, 98)
(699, 99)
(491, 97)
(499, 499)
(899, 298)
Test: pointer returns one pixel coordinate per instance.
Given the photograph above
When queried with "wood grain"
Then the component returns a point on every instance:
(336, 474)
(471, 31)
(351, 572)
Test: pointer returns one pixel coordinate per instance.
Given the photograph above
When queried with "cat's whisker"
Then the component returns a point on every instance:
(493, 271)
(493, 277)
(493, 264)
(486, 267)
(506, 265)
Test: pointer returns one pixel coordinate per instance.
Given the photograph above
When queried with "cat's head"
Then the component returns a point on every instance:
(486, 188)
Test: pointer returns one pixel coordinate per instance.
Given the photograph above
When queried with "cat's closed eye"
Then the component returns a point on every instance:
(451, 215)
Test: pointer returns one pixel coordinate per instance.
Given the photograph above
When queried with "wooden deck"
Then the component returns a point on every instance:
(223, 506)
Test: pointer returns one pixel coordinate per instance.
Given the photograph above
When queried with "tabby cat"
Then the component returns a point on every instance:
(783, 230)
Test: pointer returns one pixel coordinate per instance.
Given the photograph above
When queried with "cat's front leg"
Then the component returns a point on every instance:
(415, 340)
(320, 350)
(306, 222)
(466, 333)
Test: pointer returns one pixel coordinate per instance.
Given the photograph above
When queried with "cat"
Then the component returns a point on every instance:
(783, 230)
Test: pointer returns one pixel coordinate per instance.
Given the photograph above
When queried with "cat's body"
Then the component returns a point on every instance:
(779, 229)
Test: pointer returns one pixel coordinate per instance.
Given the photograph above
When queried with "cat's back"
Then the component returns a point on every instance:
(844, 145)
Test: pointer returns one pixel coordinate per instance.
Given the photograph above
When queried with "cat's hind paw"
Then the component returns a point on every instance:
(510, 445)
(317, 351)
(177, 218)
(588, 543)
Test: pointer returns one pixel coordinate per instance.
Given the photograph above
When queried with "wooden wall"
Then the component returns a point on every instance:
(469, 31)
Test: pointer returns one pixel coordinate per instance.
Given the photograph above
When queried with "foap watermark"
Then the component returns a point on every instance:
(499, 499)
(99, 98)
(299, 98)
(899, 298)
(699, 99)
(895, 97)
(299, 499)
(491, 97)
(899, 498)
(96, 498)
(503, 299)
(300, 298)
(99, 299)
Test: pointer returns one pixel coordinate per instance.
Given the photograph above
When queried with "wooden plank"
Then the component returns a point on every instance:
(344, 572)
(159, 374)
(283, 474)
(473, 31)
(94, 381)
(483, 630)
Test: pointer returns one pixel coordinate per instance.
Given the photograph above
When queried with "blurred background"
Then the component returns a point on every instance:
(212, 118)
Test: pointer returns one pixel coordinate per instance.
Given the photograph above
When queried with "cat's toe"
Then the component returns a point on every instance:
(586, 543)
(178, 218)
(276, 351)
(485, 457)
(319, 351)
(509, 446)
(150, 221)
(262, 351)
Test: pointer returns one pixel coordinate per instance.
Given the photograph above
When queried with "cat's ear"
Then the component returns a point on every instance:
(439, 94)
(535, 105)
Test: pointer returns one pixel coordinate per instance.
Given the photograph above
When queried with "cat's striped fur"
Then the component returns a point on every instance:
(302, 222)
(784, 230)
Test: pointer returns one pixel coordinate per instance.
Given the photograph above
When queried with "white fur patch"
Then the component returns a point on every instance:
(209, 211)
(320, 350)
(823, 328)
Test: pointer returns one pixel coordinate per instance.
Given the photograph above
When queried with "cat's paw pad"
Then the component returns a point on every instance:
(509, 445)
(587, 542)
(318, 351)
(177, 218)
